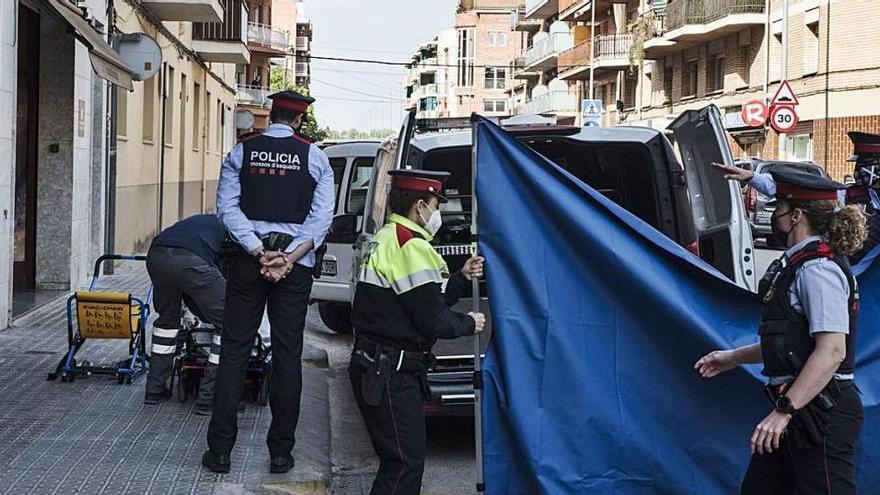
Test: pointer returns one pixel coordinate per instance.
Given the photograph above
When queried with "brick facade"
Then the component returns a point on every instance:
(839, 147)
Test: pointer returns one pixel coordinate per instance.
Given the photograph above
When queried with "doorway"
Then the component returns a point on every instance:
(27, 108)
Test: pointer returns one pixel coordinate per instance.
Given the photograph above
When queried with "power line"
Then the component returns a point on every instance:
(410, 64)
(364, 80)
(365, 50)
(352, 90)
(383, 102)
(396, 73)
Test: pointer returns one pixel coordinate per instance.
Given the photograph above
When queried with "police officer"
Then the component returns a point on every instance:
(866, 155)
(399, 312)
(806, 445)
(183, 265)
(276, 199)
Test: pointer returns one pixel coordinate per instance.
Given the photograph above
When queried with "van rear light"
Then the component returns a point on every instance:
(694, 247)
(752, 199)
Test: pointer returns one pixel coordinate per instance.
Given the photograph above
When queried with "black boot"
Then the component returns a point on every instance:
(281, 465)
(218, 463)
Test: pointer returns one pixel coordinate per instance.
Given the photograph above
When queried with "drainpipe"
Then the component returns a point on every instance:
(110, 151)
(204, 130)
(592, 44)
(162, 81)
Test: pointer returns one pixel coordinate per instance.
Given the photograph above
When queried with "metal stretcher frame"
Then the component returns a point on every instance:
(136, 364)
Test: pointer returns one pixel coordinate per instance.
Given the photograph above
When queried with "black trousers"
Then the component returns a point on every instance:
(286, 302)
(827, 469)
(397, 430)
(179, 275)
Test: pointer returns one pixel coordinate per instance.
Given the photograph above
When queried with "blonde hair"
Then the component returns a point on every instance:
(845, 229)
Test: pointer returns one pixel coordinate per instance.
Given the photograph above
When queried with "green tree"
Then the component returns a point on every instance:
(310, 127)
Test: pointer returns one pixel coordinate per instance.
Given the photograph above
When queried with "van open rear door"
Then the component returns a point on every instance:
(392, 155)
(722, 232)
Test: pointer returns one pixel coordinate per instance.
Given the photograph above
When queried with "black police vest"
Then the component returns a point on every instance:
(786, 343)
(276, 185)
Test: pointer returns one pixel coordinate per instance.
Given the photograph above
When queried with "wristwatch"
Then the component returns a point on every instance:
(783, 404)
(260, 253)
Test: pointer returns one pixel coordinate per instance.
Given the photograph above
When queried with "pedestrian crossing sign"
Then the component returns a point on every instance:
(591, 110)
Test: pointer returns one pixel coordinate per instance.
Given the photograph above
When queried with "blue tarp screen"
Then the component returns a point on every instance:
(598, 319)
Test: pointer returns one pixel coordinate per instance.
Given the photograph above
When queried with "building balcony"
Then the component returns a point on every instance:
(544, 53)
(696, 21)
(186, 10)
(226, 41)
(302, 69)
(612, 53)
(267, 39)
(554, 103)
(519, 22)
(520, 71)
(428, 114)
(428, 90)
(541, 9)
(304, 27)
(303, 43)
(253, 95)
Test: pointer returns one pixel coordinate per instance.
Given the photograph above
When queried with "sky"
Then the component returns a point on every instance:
(368, 29)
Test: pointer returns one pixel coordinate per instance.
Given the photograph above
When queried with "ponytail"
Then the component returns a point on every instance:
(845, 229)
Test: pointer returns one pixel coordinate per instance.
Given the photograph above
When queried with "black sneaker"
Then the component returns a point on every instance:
(156, 397)
(281, 465)
(217, 463)
(204, 410)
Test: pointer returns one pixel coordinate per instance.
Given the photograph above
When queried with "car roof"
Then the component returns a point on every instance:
(622, 134)
(353, 148)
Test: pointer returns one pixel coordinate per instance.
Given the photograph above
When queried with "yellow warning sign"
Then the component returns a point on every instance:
(104, 320)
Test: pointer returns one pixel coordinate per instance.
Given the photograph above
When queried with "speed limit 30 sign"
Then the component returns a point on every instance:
(783, 118)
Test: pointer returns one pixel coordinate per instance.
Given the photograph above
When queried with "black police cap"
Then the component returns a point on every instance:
(864, 144)
(291, 100)
(797, 184)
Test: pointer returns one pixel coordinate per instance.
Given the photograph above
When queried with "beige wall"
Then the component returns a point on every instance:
(194, 144)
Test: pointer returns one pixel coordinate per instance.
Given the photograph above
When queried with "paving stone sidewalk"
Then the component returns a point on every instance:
(94, 436)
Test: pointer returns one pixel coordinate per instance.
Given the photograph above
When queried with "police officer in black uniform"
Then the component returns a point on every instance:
(276, 199)
(399, 312)
(806, 445)
(866, 190)
(183, 263)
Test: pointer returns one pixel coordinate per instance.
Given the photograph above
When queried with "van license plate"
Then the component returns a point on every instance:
(328, 268)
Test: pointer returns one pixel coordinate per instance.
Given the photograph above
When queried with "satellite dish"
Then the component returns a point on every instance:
(244, 119)
(141, 53)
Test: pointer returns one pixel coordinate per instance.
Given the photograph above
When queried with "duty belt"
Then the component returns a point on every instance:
(403, 361)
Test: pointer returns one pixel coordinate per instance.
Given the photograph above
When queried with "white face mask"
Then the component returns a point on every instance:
(433, 223)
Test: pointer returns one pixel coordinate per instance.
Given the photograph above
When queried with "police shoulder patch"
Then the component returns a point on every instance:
(405, 235)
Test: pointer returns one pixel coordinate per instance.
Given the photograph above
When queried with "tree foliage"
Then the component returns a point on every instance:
(310, 128)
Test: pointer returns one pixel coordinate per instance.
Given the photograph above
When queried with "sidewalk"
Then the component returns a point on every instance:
(94, 436)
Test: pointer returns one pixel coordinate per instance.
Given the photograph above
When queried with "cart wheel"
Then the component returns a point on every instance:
(129, 379)
(120, 378)
(67, 378)
(182, 388)
(265, 383)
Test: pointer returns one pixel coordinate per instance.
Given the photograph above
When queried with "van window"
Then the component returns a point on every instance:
(361, 171)
(338, 166)
(624, 173)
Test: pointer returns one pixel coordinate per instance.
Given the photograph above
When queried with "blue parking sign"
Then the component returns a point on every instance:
(591, 110)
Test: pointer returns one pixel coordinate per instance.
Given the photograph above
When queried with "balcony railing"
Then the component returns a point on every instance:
(613, 46)
(683, 12)
(428, 90)
(567, 4)
(577, 56)
(268, 36)
(302, 43)
(553, 103)
(302, 69)
(253, 95)
(552, 44)
(233, 27)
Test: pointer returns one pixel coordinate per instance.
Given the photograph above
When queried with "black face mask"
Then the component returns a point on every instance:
(779, 237)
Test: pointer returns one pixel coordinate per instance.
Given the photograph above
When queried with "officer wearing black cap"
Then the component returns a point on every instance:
(276, 199)
(806, 445)
(399, 312)
(866, 155)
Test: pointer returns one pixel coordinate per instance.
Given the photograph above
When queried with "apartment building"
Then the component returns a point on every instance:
(57, 68)
(431, 79)
(485, 46)
(174, 128)
(268, 45)
(651, 60)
